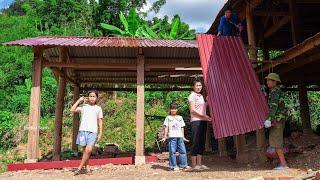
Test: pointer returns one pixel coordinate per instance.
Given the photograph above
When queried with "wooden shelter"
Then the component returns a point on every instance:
(291, 26)
(102, 63)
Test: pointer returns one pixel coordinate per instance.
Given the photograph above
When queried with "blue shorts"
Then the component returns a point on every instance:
(85, 138)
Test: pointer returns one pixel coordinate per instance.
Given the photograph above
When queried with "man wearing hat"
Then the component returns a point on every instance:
(276, 117)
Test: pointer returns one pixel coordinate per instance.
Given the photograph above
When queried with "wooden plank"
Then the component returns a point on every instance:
(33, 152)
(118, 65)
(59, 111)
(140, 109)
(75, 120)
(276, 26)
(75, 163)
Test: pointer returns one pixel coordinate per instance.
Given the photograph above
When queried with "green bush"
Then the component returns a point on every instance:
(7, 134)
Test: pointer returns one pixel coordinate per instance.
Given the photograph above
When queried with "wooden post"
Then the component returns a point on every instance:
(222, 147)
(208, 145)
(252, 55)
(76, 120)
(59, 110)
(33, 152)
(250, 31)
(304, 108)
(242, 153)
(295, 22)
(139, 157)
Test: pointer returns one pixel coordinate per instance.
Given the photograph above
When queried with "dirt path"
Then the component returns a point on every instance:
(219, 170)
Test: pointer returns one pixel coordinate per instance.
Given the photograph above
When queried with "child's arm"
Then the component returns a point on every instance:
(100, 124)
(165, 134)
(76, 104)
(182, 130)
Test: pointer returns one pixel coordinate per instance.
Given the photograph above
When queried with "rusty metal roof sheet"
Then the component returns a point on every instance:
(101, 42)
(236, 102)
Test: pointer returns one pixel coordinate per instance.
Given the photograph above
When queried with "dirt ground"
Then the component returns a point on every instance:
(308, 159)
(220, 168)
(156, 171)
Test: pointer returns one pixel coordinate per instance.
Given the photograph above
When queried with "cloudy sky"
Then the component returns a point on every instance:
(199, 14)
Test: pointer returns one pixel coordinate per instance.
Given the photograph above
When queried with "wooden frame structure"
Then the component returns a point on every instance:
(106, 64)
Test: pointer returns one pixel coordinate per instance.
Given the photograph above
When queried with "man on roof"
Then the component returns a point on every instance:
(229, 24)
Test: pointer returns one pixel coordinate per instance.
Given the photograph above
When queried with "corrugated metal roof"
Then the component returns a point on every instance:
(235, 99)
(101, 42)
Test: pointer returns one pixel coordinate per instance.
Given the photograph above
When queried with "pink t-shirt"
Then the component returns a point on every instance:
(200, 105)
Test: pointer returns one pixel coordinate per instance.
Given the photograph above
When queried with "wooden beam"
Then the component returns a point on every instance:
(298, 89)
(135, 89)
(76, 120)
(33, 152)
(304, 108)
(139, 156)
(118, 65)
(299, 62)
(295, 51)
(303, 1)
(59, 111)
(276, 26)
(59, 72)
(271, 13)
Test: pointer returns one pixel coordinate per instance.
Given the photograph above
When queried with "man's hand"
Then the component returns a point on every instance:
(267, 123)
(219, 34)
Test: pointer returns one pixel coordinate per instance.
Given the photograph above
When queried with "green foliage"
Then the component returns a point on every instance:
(7, 123)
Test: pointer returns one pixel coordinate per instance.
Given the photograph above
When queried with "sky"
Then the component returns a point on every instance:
(199, 14)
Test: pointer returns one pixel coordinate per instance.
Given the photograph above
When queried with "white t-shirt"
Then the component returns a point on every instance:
(89, 117)
(174, 124)
(200, 105)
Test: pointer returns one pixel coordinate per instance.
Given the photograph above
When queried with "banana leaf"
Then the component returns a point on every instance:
(174, 28)
(133, 21)
(112, 28)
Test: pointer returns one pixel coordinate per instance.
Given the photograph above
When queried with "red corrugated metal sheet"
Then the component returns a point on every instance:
(236, 102)
(101, 42)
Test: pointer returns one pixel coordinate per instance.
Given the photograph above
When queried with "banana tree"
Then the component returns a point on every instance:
(133, 26)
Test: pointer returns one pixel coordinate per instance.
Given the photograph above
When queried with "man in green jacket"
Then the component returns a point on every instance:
(276, 117)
